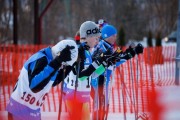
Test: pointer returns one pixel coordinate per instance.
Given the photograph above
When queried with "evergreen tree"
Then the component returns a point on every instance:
(149, 40)
(158, 39)
(121, 37)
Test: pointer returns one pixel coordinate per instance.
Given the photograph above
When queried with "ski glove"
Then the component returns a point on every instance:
(106, 59)
(114, 57)
(128, 54)
(81, 51)
(139, 48)
(130, 51)
(64, 56)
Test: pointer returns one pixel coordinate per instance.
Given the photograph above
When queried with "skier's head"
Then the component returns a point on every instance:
(90, 33)
(56, 49)
(77, 37)
(89, 29)
(109, 31)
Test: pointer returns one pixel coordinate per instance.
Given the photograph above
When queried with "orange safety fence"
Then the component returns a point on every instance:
(132, 82)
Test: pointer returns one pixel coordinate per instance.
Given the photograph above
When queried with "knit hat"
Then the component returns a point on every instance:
(108, 31)
(56, 50)
(89, 29)
(102, 23)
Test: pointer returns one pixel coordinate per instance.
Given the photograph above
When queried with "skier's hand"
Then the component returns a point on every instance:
(65, 54)
(81, 51)
(139, 48)
(130, 51)
(106, 58)
(96, 54)
(114, 57)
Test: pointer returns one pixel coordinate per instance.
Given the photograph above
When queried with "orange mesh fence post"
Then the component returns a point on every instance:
(43, 107)
(26, 55)
(23, 52)
(17, 62)
(135, 77)
(8, 71)
(141, 81)
(129, 88)
(3, 99)
(14, 62)
(132, 80)
(49, 104)
(124, 95)
(8, 80)
(123, 87)
(53, 97)
(118, 74)
(59, 92)
(148, 58)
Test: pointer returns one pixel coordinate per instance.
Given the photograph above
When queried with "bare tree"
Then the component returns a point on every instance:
(64, 18)
(6, 21)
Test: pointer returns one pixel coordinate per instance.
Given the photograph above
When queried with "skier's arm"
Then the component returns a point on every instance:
(94, 67)
(129, 53)
(97, 67)
(40, 71)
(60, 76)
(100, 61)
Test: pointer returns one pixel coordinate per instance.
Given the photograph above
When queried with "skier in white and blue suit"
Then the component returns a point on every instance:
(39, 74)
(109, 35)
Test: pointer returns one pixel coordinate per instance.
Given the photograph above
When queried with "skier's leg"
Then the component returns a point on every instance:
(101, 96)
(94, 95)
(85, 115)
(74, 109)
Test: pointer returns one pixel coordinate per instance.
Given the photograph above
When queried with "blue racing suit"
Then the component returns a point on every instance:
(104, 78)
(39, 73)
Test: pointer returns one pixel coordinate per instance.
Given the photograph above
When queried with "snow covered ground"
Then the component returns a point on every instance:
(168, 98)
(54, 116)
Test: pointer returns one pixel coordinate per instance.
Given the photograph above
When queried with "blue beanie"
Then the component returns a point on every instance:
(108, 31)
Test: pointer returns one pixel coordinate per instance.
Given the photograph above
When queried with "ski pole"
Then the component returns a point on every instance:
(109, 93)
(137, 85)
(123, 94)
(96, 103)
(133, 91)
(77, 76)
(62, 83)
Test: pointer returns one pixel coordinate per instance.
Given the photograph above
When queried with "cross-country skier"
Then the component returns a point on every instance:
(77, 37)
(108, 35)
(101, 23)
(79, 79)
(39, 74)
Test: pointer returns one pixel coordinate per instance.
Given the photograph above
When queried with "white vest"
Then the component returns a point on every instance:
(25, 96)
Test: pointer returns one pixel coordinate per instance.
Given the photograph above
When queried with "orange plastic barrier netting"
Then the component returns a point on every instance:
(132, 82)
